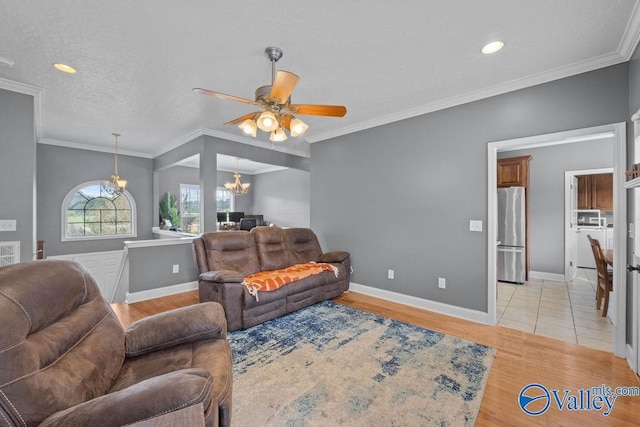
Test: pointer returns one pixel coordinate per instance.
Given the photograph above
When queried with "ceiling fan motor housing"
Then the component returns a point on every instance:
(263, 94)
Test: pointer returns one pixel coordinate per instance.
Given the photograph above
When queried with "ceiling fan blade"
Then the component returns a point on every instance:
(319, 110)
(283, 85)
(223, 96)
(243, 118)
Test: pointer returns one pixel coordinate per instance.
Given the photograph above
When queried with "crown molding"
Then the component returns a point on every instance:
(81, 146)
(178, 142)
(631, 35)
(513, 85)
(252, 172)
(23, 88)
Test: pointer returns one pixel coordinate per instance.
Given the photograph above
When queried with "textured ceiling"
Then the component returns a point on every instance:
(137, 61)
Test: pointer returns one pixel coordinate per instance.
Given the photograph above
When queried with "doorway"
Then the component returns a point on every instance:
(618, 133)
(576, 226)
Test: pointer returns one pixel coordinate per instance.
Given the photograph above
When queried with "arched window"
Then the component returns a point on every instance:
(88, 213)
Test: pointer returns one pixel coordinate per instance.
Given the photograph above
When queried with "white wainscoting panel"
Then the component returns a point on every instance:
(103, 266)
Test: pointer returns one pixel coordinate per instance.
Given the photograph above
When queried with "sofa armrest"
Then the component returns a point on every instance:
(182, 325)
(222, 276)
(146, 400)
(335, 256)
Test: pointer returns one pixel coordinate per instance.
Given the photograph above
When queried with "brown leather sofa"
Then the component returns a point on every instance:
(225, 258)
(65, 359)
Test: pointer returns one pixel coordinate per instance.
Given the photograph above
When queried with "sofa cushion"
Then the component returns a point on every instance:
(265, 298)
(148, 400)
(233, 250)
(303, 245)
(312, 282)
(272, 248)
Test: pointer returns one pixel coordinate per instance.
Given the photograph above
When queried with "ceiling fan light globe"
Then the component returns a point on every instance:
(278, 135)
(267, 122)
(298, 127)
(249, 127)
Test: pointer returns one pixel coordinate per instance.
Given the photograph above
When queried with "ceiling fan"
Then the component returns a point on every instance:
(275, 100)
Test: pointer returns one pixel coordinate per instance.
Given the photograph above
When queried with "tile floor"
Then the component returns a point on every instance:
(561, 310)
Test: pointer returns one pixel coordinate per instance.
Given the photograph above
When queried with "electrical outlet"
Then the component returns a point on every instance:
(442, 283)
(8, 225)
(475, 225)
(390, 274)
(176, 268)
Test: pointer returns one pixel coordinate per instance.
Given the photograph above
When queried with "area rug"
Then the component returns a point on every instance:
(330, 364)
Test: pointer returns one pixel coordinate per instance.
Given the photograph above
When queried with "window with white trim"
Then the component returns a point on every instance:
(89, 213)
(190, 208)
(225, 200)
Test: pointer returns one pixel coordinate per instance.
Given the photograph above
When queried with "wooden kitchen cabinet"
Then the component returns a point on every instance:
(595, 191)
(513, 171)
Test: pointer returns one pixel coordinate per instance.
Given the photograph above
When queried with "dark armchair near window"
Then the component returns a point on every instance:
(65, 359)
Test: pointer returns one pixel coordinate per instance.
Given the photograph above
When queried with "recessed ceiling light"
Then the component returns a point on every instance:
(492, 47)
(64, 68)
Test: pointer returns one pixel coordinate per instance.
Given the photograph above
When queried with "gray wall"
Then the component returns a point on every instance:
(546, 195)
(400, 196)
(17, 166)
(60, 169)
(151, 267)
(171, 178)
(283, 197)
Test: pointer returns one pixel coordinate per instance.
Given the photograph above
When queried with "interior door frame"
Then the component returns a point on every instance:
(567, 212)
(617, 131)
(571, 222)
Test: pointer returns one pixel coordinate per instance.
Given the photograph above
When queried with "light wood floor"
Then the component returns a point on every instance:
(522, 358)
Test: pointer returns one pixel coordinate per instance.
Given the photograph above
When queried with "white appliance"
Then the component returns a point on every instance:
(511, 235)
(585, 254)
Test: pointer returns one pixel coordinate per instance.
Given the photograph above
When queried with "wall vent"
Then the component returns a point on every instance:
(9, 253)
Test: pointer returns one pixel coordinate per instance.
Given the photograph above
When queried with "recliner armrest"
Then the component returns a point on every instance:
(145, 400)
(222, 276)
(182, 325)
(335, 256)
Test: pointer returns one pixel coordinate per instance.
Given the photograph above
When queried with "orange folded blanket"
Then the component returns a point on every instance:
(274, 279)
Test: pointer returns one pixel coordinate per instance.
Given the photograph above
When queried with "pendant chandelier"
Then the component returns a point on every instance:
(236, 187)
(115, 186)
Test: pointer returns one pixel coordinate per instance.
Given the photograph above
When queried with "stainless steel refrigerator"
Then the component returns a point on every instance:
(511, 235)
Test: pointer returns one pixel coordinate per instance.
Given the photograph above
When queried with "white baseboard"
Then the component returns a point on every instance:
(546, 276)
(438, 307)
(631, 358)
(160, 292)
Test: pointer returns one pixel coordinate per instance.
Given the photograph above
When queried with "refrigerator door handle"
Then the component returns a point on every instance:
(510, 249)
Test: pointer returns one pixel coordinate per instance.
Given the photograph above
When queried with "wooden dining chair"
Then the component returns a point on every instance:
(604, 276)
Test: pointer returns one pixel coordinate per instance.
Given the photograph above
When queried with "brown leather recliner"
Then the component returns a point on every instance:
(65, 359)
